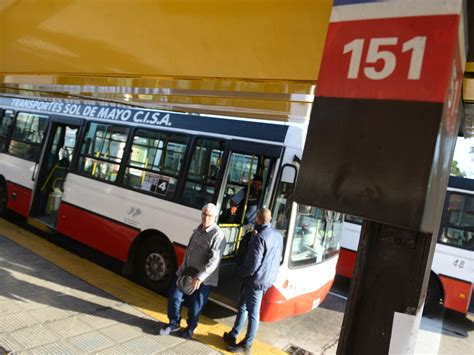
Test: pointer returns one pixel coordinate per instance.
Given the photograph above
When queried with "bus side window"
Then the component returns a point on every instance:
(155, 162)
(5, 123)
(102, 158)
(28, 133)
(202, 176)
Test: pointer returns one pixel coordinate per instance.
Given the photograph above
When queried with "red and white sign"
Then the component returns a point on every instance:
(407, 58)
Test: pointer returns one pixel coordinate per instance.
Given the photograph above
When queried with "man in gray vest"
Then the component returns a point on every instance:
(204, 253)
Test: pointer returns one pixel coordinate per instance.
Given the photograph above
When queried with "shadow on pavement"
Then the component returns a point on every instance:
(26, 277)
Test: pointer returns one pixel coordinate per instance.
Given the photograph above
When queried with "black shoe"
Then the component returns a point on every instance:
(239, 348)
(229, 339)
(187, 334)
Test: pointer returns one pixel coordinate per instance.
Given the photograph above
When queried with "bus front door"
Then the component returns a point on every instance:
(238, 222)
(53, 167)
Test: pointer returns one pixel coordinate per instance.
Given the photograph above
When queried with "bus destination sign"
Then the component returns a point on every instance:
(115, 113)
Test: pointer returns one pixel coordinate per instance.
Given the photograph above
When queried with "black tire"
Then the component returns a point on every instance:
(434, 296)
(155, 264)
(3, 198)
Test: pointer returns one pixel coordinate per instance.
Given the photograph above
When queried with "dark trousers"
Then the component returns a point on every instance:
(194, 302)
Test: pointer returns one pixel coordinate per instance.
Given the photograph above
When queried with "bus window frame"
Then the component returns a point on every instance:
(295, 266)
(10, 130)
(290, 202)
(183, 178)
(278, 181)
(10, 135)
(445, 221)
(271, 151)
(75, 166)
(191, 141)
(268, 181)
(128, 152)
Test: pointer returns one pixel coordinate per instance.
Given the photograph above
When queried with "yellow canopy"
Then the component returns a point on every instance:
(256, 58)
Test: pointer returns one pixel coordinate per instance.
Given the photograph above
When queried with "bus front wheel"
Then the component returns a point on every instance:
(3, 198)
(156, 264)
(434, 296)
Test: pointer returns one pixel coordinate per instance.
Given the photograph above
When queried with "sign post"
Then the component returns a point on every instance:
(380, 144)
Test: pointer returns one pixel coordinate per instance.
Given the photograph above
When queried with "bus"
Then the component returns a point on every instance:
(130, 182)
(452, 272)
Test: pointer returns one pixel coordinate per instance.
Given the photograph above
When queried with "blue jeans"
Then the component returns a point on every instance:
(250, 301)
(195, 304)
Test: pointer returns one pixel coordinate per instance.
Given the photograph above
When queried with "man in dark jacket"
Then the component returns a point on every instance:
(258, 271)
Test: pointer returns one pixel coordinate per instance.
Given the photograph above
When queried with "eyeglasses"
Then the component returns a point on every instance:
(208, 215)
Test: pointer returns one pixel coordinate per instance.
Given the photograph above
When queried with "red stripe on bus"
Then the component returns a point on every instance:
(346, 262)
(179, 251)
(276, 307)
(19, 198)
(457, 294)
(101, 233)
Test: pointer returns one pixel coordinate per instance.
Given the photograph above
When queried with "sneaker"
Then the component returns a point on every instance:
(187, 334)
(229, 339)
(239, 348)
(169, 329)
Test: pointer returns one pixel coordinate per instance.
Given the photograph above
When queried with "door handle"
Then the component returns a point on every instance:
(34, 172)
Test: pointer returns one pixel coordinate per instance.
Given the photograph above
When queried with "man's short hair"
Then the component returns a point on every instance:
(210, 207)
(265, 215)
(257, 178)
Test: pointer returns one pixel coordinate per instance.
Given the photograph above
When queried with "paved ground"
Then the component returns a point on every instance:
(317, 332)
(52, 301)
(44, 309)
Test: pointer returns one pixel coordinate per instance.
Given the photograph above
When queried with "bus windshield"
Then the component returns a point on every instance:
(458, 227)
(315, 235)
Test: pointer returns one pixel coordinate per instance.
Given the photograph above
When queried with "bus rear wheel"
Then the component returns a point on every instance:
(155, 264)
(3, 198)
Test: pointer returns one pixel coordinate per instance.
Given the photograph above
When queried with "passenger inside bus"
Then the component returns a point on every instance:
(254, 200)
(63, 158)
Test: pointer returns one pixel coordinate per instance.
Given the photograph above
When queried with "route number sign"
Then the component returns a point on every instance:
(389, 59)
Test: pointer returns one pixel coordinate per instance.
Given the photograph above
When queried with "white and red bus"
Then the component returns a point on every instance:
(452, 272)
(130, 182)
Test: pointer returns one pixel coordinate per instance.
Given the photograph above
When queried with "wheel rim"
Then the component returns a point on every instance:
(155, 266)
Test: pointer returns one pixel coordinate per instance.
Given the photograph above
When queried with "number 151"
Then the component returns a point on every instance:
(416, 45)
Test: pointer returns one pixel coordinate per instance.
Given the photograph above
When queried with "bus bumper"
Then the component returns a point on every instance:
(276, 307)
(457, 293)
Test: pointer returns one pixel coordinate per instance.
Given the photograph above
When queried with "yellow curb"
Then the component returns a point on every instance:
(209, 331)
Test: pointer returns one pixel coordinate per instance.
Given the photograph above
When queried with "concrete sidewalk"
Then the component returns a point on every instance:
(44, 309)
(43, 287)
